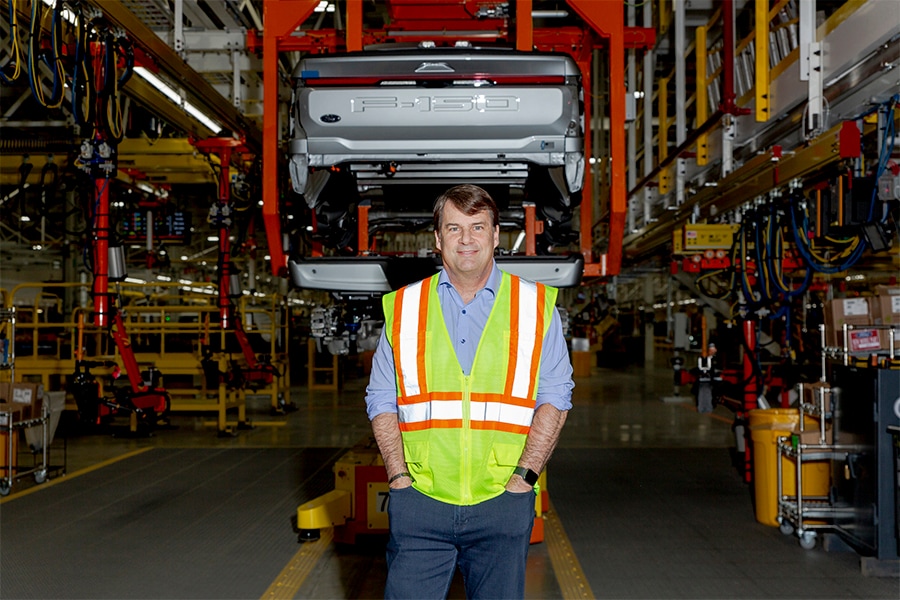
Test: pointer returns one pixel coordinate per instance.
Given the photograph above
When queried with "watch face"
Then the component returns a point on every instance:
(528, 475)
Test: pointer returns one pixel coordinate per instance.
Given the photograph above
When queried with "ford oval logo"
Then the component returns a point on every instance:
(329, 118)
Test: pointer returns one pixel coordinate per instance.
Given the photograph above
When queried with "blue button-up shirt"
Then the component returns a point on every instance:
(465, 322)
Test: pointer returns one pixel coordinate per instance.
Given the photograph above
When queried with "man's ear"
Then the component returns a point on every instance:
(496, 236)
(437, 240)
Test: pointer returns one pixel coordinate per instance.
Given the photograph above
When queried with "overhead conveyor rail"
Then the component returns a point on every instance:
(791, 88)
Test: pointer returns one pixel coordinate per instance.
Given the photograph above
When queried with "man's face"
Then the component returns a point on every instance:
(466, 242)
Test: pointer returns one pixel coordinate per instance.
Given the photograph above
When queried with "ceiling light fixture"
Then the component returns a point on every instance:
(176, 98)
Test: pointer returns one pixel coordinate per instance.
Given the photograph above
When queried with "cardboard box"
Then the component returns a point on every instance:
(887, 290)
(852, 311)
(25, 395)
(813, 436)
(812, 393)
(8, 410)
(886, 309)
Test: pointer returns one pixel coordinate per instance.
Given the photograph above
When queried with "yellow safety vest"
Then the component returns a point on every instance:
(464, 435)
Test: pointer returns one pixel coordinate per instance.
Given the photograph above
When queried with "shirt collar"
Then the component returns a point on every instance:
(492, 285)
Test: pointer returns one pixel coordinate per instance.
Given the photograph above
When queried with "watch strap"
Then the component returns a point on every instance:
(399, 475)
(527, 474)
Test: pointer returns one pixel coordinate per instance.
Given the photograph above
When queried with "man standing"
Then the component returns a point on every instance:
(470, 387)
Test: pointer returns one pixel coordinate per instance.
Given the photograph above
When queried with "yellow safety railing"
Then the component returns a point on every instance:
(766, 52)
(665, 176)
(706, 78)
(756, 66)
(43, 330)
(663, 16)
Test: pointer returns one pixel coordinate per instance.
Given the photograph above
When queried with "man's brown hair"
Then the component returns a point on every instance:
(470, 200)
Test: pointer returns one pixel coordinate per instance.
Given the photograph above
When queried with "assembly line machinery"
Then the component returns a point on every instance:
(172, 342)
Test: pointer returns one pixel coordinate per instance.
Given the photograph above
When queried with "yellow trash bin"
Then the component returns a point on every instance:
(766, 426)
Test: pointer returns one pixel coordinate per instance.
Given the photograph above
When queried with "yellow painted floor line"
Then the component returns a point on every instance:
(288, 582)
(569, 574)
(68, 476)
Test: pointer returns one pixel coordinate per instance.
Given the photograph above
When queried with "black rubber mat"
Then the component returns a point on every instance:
(189, 523)
(679, 523)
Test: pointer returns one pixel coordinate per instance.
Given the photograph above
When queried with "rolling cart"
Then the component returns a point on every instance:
(799, 513)
(10, 424)
(12, 418)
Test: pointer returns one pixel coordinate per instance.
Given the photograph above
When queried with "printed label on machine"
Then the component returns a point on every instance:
(864, 339)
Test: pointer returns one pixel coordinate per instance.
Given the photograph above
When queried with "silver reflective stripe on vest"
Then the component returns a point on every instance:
(443, 410)
(526, 329)
(502, 413)
(409, 338)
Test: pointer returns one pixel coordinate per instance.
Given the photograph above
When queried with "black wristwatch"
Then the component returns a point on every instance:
(528, 475)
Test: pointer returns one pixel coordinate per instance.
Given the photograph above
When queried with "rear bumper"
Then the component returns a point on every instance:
(382, 274)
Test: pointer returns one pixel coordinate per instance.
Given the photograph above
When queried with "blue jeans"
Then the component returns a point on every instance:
(429, 539)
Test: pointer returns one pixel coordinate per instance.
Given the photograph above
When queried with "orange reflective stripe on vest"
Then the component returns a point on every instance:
(511, 407)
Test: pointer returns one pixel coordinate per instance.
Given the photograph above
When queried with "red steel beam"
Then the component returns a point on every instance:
(524, 26)
(280, 18)
(608, 23)
(639, 37)
(354, 26)
(362, 228)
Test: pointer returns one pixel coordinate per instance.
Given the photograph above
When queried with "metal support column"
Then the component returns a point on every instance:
(751, 391)
(524, 26)
(632, 127)
(761, 51)
(649, 60)
(670, 317)
(280, 18)
(811, 68)
(610, 25)
(680, 99)
(649, 345)
(702, 94)
(101, 253)
(178, 18)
